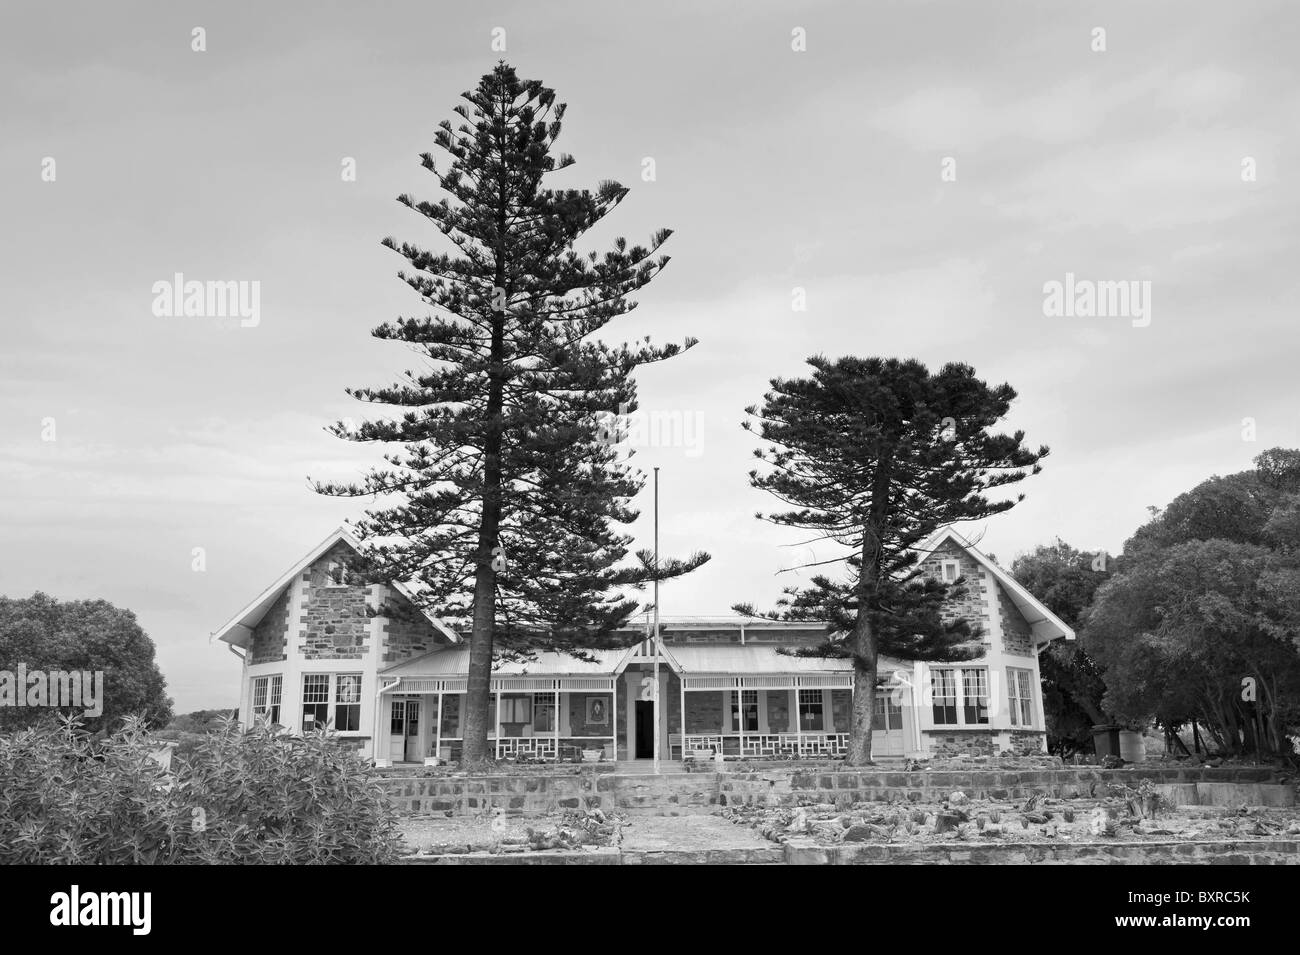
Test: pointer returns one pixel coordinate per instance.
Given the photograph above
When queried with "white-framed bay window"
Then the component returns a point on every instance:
(1020, 696)
(331, 700)
(266, 698)
(959, 696)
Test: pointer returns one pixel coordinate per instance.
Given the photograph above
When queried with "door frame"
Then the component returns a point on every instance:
(644, 729)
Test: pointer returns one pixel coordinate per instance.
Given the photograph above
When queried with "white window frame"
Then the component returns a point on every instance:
(270, 689)
(342, 569)
(945, 678)
(333, 699)
(944, 565)
(739, 705)
(957, 674)
(510, 703)
(544, 703)
(1020, 697)
(979, 700)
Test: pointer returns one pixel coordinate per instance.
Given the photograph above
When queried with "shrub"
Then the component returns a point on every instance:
(238, 797)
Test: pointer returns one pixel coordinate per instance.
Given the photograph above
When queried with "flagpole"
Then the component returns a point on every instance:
(656, 636)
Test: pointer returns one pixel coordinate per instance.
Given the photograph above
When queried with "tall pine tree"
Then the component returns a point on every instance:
(877, 455)
(509, 492)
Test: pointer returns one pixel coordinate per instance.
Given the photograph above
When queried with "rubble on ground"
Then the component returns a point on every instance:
(1121, 812)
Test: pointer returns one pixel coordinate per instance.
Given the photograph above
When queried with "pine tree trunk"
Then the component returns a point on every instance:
(864, 693)
(478, 686)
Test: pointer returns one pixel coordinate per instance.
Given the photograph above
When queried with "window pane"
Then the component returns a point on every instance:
(944, 707)
(811, 710)
(975, 696)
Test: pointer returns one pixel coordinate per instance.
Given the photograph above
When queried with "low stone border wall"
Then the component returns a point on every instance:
(807, 852)
(684, 792)
(1263, 852)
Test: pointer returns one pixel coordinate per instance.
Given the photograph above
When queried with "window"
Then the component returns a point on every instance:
(347, 703)
(266, 699)
(950, 570)
(315, 700)
(887, 715)
(336, 575)
(516, 709)
(342, 691)
(975, 693)
(961, 697)
(1021, 695)
(543, 713)
(945, 697)
(811, 710)
(397, 723)
(749, 708)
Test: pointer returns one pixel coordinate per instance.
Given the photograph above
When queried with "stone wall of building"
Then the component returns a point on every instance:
(407, 633)
(704, 711)
(971, 606)
(1016, 638)
(950, 742)
(1028, 741)
(270, 639)
(578, 725)
(336, 624)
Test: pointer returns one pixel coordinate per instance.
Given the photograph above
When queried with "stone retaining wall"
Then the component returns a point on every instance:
(1263, 852)
(685, 792)
(806, 852)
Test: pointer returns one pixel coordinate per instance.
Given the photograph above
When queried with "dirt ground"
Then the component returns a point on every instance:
(636, 832)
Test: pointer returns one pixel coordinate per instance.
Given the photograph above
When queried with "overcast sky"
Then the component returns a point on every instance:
(777, 169)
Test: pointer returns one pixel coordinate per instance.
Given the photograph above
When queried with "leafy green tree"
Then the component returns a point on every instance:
(201, 721)
(877, 455)
(86, 636)
(1065, 580)
(506, 498)
(1187, 632)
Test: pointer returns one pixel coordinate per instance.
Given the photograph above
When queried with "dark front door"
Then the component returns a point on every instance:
(645, 729)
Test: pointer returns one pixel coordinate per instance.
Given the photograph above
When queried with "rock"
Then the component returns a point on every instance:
(846, 821)
(859, 833)
(946, 822)
(1068, 815)
(959, 798)
(1037, 818)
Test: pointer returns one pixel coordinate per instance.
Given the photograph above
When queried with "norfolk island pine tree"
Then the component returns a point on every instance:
(877, 455)
(510, 491)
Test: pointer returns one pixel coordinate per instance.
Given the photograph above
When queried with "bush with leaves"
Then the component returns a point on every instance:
(250, 798)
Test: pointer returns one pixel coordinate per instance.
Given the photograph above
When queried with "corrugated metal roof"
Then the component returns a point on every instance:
(732, 659)
(454, 661)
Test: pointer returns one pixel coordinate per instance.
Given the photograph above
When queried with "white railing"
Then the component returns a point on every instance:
(763, 745)
(544, 747)
(534, 747)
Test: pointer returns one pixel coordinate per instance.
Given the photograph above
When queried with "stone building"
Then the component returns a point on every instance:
(317, 648)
